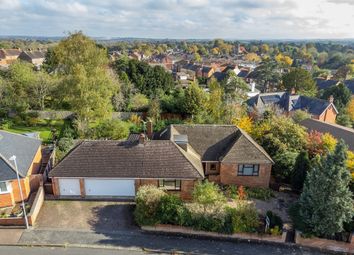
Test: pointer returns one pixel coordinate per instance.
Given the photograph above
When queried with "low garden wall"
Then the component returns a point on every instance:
(32, 216)
(162, 228)
(325, 244)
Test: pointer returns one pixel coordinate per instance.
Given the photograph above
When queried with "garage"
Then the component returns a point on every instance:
(110, 187)
(69, 187)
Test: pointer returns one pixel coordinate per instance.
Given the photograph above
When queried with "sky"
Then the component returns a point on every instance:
(181, 19)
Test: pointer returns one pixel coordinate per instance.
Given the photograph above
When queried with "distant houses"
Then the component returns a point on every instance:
(8, 56)
(288, 103)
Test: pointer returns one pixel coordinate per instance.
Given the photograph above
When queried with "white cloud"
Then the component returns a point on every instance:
(240, 19)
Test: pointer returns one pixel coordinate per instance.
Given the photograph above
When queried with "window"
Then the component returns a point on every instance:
(3, 187)
(248, 170)
(213, 167)
(170, 184)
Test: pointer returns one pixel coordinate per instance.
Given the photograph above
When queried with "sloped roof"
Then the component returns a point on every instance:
(25, 149)
(290, 102)
(324, 84)
(11, 52)
(339, 132)
(117, 159)
(350, 85)
(219, 142)
(34, 54)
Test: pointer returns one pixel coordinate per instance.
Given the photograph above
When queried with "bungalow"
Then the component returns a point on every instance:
(174, 159)
(28, 156)
(8, 56)
(35, 57)
(290, 102)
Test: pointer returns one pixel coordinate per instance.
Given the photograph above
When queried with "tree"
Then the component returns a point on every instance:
(154, 111)
(301, 167)
(267, 74)
(341, 95)
(111, 129)
(244, 123)
(195, 99)
(208, 195)
(42, 88)
(86, 84)
(342, 73)
(350, 109)
(214, 104)
(300, 80)
(139, 102)
(329, 142)
(326, 202)
(252, 57)
(235, 88)
(283, 60)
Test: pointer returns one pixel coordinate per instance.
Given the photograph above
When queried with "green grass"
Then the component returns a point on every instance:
(43, 128)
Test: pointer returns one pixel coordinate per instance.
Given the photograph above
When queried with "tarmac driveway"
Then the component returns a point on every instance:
(101, 217)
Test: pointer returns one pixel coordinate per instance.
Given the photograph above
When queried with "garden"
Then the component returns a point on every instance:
(208, 211)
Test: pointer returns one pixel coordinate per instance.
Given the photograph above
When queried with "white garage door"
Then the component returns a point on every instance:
(110, 187)
(69, 187)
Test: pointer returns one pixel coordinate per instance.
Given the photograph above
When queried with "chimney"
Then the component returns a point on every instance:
(293, 91)
(181, 141)
(331, 99)
(142, 139)
(149, 129)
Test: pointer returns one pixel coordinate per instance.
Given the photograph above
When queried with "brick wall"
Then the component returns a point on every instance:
(6, 200)
(185, 193)
(25, 185)
(228, 175)
(329, 115)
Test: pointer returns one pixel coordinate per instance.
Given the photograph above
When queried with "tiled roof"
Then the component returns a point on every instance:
(116, 159)
(290, 102)
(324, 84)
(350, 85)
(34, 54)
(25, 149)
(219, 142)
(339, 132)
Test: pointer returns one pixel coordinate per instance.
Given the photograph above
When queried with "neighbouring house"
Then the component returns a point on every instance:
(8, 56)
(207, 71)
(288, 103)
(325, 83)
(350, 85)
(337, 131)
(175, 159)
(35, 57)
(28, 157)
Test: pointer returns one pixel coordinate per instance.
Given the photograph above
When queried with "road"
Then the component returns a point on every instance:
(165, 243)
(11, 250)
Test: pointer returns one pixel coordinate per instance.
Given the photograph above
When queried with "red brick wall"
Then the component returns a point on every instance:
(185, 193)
(329, 115)
(228, 175)
(6, 200)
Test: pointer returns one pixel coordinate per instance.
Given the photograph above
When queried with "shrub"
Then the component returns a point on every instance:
(65, 144)
(147, 202)
(208, 195)
(170, 209)
(260, 193)
(111, 129)
(244, 218)
(209, 222)
(241, 193)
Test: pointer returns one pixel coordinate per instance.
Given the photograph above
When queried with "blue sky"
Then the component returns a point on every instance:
(230, 19)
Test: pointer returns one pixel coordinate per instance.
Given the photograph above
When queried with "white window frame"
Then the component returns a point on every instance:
(8, 188)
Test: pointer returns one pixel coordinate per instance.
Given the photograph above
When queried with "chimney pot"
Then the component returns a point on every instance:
(331, 99)
(293, 91)
(142, 139)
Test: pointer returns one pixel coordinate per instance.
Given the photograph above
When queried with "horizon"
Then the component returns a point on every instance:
(181, 19)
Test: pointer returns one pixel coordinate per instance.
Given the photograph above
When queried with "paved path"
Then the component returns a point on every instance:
(10, 236)
(7, 250)
(138, 239)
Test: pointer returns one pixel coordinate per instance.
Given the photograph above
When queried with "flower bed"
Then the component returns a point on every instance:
(31, 216)
(164, 228)
(325, 244)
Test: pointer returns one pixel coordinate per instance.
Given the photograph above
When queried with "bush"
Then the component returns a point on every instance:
(111, 129)
(244, 218)
(65, 144)
(147, 202)
(170, 209)
(210, 222)
(260, 193)
(208, 195)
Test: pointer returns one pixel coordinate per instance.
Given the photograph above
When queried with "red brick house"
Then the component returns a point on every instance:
(28, 156)
(174, 159)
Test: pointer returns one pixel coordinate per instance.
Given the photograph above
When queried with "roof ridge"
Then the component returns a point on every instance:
(21, 135)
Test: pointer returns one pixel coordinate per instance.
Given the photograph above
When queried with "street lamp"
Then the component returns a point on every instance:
(13, 158)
